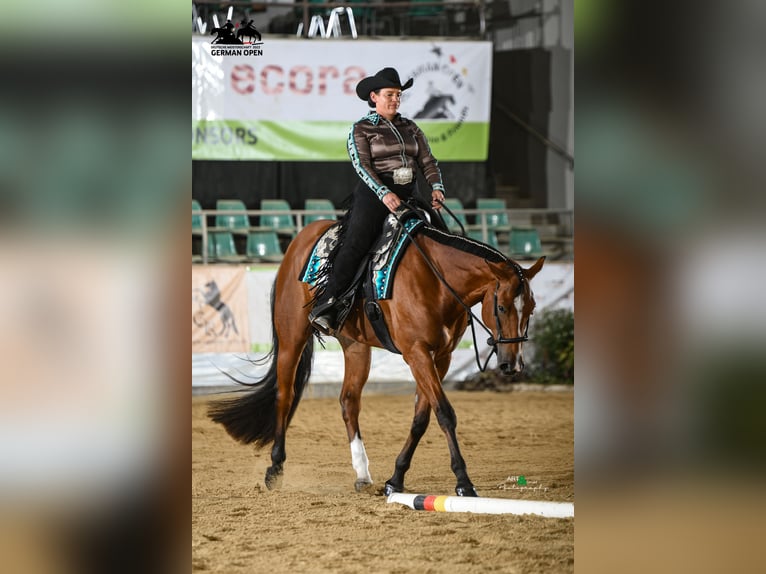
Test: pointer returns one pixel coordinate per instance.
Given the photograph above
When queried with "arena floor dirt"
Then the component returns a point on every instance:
(316, 522)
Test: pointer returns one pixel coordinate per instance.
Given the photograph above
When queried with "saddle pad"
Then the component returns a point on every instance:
(387, 253)
(384, 256)
(312, 270)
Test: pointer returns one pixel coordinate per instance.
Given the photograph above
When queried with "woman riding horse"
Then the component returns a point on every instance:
(427, 315)
(440, 277)
(385, 149)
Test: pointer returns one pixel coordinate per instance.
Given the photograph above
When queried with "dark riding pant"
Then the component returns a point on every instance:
(362, 228)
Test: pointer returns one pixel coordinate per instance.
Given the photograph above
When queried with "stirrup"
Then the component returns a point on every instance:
(321, 308)
(324, 320)
(323, 316)
(324, 323)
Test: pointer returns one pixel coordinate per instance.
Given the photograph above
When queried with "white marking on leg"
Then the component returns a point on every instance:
(359, 460)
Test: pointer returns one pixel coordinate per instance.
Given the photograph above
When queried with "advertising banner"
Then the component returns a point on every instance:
(553, 286)
(295, 99)
(219, 309)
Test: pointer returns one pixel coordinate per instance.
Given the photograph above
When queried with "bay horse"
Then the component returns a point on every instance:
(426, 318)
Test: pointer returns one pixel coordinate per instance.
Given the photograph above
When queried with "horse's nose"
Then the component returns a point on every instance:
(513, 367)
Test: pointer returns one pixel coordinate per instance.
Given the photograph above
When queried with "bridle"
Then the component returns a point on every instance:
(500, 340)
(472, 318)
(492, 342)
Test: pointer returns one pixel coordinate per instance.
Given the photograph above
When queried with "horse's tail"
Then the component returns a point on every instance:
(252, 417)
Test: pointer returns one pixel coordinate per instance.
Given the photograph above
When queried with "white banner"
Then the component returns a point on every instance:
(296, 99)
(316, 80)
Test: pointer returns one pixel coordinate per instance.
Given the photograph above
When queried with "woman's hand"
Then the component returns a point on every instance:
(392, 201)
(436, 198)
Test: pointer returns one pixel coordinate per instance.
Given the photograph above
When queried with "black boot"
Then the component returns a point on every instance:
(324, 316)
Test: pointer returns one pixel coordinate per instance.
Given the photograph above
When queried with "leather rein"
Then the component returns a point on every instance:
(472, 318)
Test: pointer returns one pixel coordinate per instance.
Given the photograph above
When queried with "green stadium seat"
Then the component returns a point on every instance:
(425, 20)
(317, 205)
(264, 246)
(197, 229)
(525, 243)
(220, 247)
(196, 218)
(359, 13)
(456, 207)
(497, 219)
(321, 10)
(491, 237)
(238, 223)
(282, 223)
(416, 10)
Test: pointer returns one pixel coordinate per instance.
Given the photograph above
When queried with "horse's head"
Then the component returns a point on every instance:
(506, 309)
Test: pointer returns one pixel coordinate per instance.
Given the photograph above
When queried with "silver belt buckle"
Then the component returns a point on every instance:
(402, 175)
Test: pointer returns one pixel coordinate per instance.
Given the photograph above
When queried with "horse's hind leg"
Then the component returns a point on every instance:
(293, 363)
(357, 358)
(287, 372)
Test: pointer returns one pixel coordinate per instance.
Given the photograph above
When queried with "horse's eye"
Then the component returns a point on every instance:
(501, 308)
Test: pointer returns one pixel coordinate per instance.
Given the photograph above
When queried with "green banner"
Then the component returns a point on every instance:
(321, 141)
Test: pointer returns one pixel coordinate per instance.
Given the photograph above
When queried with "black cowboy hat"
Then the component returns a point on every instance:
(385, 78)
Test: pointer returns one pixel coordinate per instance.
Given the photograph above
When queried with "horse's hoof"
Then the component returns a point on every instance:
(390, 489)
(363, 485)
(466, 491)
(273, 478)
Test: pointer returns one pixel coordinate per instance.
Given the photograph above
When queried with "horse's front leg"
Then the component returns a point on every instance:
(357, 359)
(417, 430)
(429, 386)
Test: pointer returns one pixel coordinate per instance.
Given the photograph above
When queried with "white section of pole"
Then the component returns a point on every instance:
(492, 505)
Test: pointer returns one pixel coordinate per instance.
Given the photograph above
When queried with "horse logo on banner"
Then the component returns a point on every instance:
(245, 41)
(211, 296)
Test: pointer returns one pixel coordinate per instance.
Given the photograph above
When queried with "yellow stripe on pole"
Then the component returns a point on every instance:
(439, 503)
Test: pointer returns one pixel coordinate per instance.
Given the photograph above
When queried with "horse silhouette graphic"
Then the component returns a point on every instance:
(436, 107)
(225, 35)
(212, 296)
(247, 30)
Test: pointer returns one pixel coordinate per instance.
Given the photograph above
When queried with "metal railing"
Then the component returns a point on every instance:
(522, 218)
(298, 216)
(485, 15)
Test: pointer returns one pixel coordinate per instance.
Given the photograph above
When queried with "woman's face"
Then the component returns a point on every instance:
(387, 102)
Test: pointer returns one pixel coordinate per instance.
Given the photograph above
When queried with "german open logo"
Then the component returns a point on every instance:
(240, 40)
(443, 92)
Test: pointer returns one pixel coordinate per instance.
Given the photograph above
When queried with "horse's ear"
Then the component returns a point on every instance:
(532, 271)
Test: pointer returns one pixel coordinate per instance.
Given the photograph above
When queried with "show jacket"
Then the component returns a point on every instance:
(376, 145)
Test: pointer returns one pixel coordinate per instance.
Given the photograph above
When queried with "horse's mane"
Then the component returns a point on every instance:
(465, 244)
